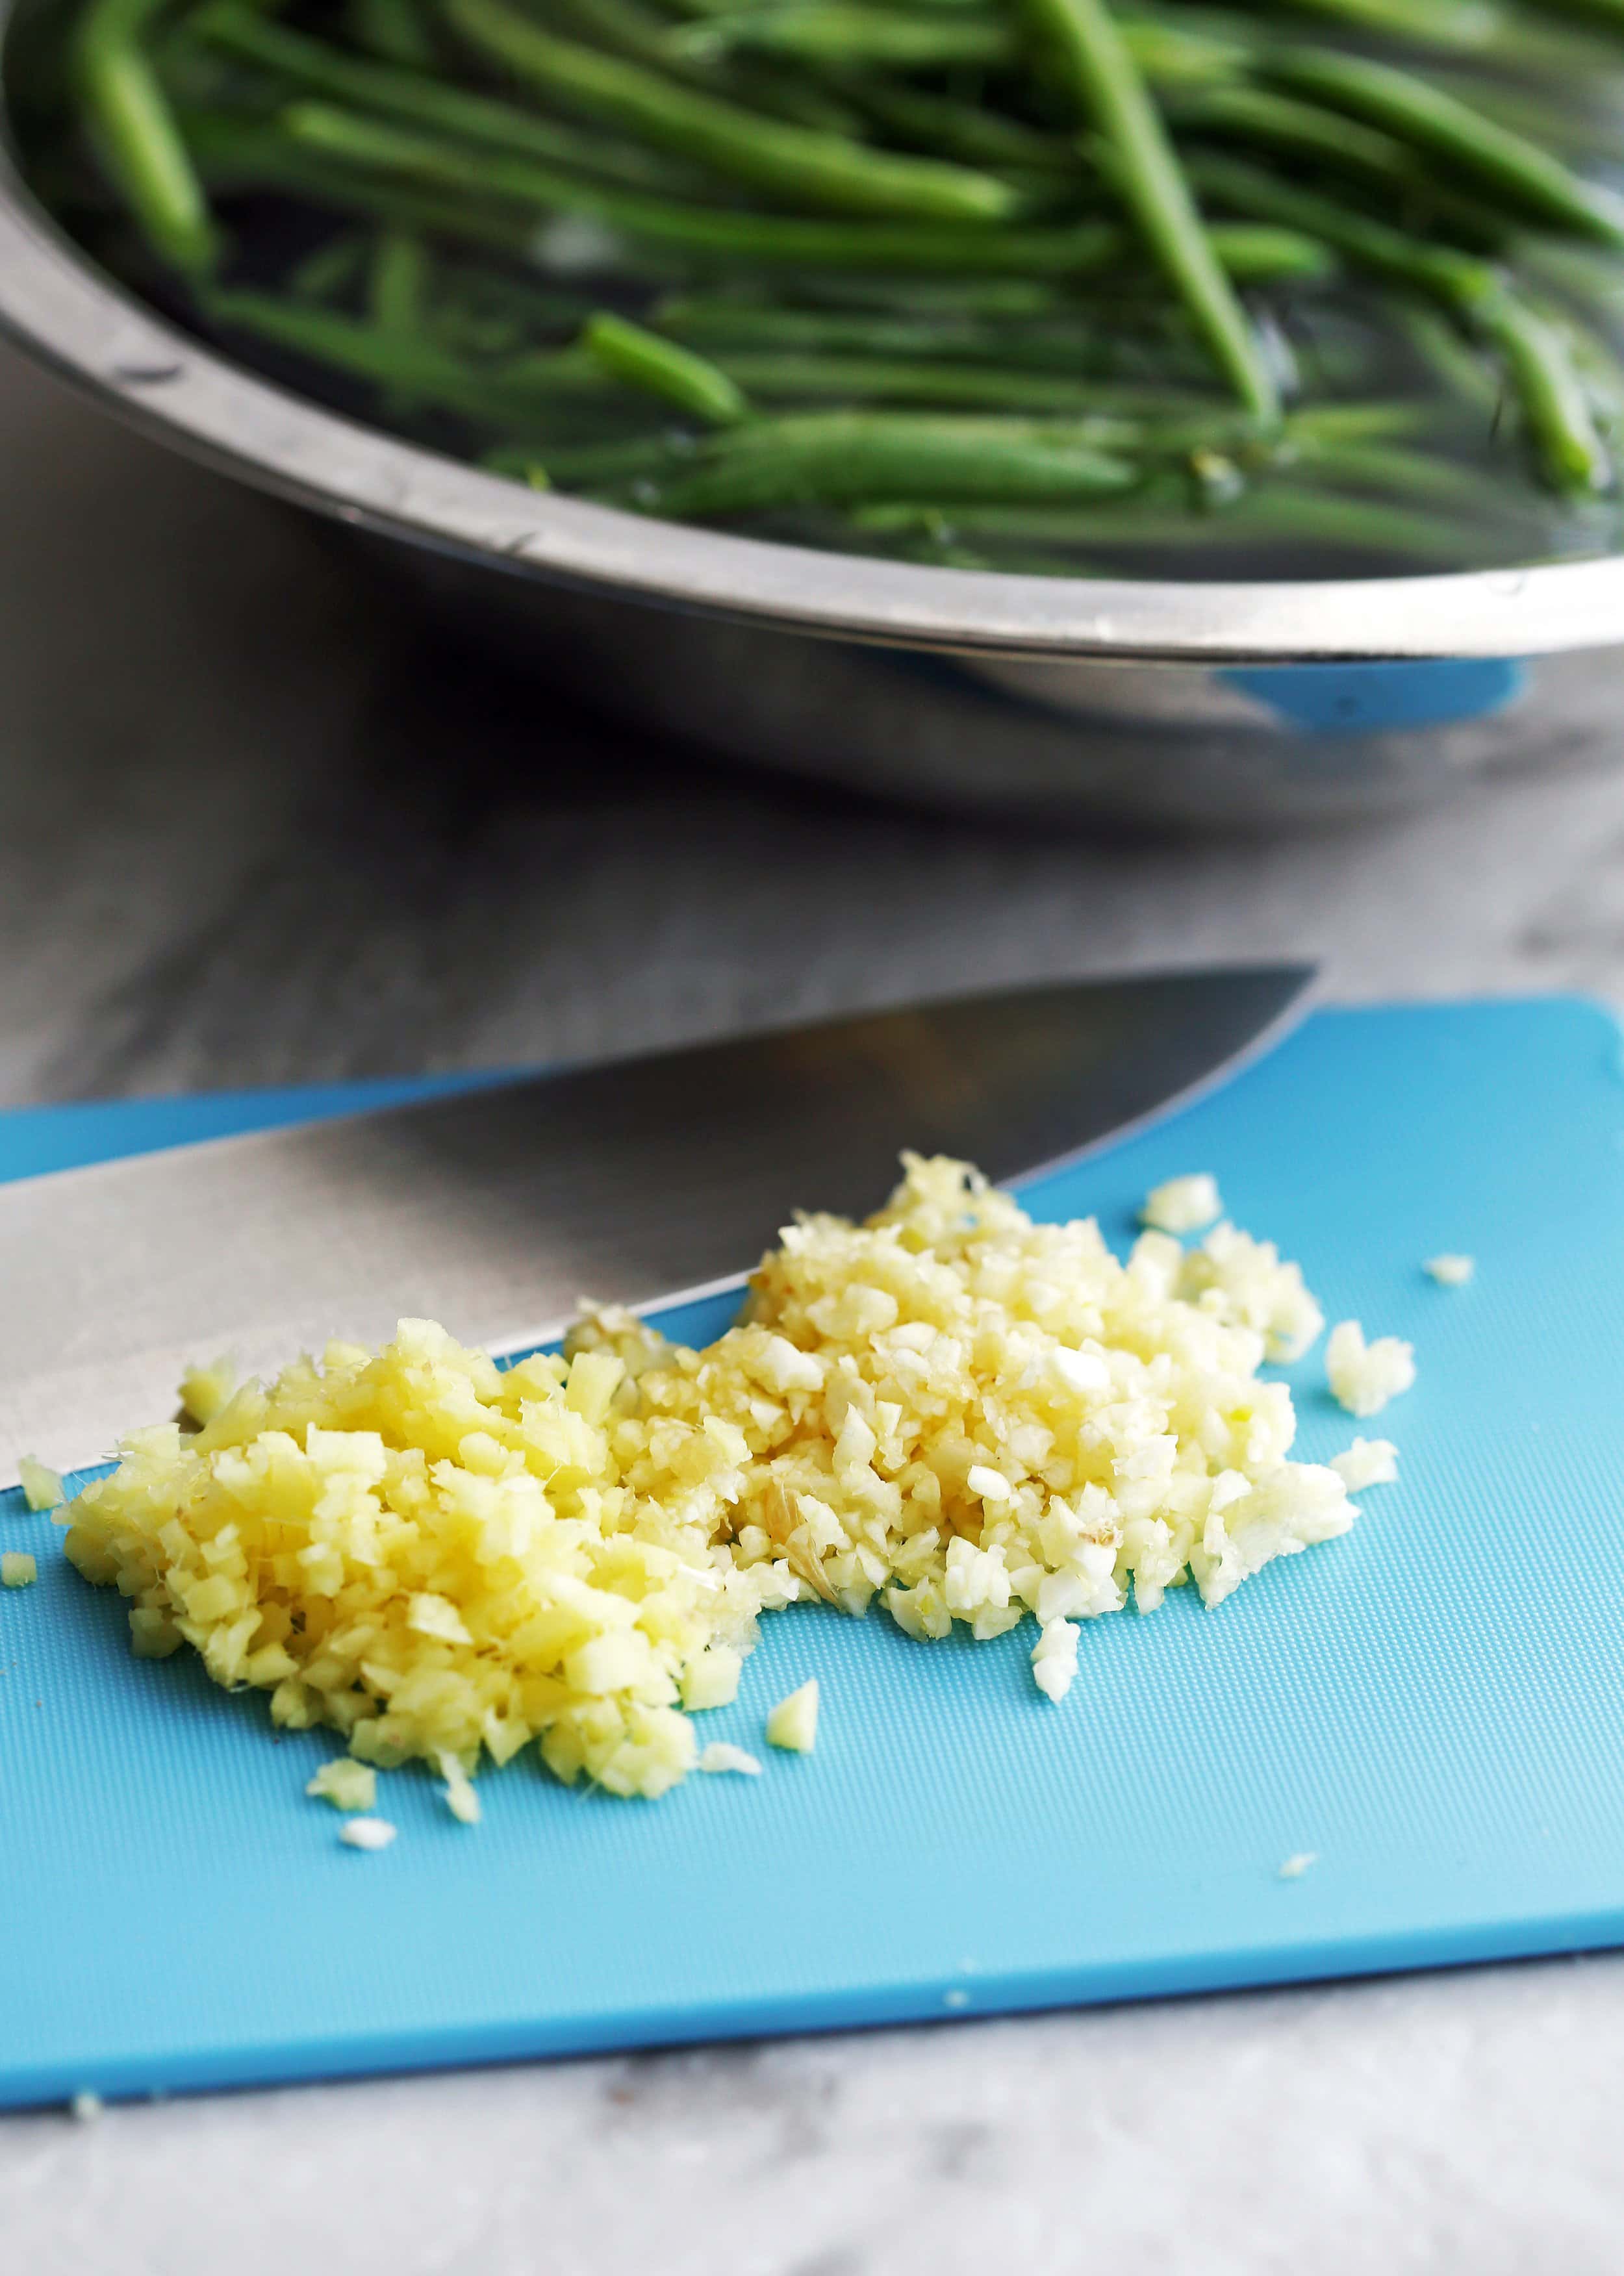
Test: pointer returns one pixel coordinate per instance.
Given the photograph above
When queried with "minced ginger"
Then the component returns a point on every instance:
(967, 1416)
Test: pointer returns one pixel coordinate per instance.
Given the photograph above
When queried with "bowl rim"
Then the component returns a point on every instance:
(57, 304)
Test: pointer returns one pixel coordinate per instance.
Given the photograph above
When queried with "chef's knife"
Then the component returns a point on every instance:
(497, 1211)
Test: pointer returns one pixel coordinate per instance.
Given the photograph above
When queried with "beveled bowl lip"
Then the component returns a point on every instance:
(56, 304)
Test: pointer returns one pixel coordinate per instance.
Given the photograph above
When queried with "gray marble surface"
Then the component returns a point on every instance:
(256, 827)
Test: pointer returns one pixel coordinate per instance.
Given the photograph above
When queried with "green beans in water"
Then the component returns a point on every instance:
(1070, 288)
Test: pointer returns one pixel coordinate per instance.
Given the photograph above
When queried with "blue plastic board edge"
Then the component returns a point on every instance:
(383, 2054)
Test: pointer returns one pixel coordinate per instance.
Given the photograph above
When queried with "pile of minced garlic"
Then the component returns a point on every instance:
(950, 1409)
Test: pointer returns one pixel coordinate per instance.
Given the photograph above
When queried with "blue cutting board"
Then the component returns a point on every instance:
(1434, 1704)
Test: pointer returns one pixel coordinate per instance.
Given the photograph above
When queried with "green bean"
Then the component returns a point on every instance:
(312, 63)
(833, 457)
(849, 33)
(763, 326)
(1262, 253)
(1182, 53)
(1316, 426)
(1151, 435)
(866, 379)
(1374, 244)
(1259, 116)
(392, 30)
(860, 379)
(844, 32)
(1550, 115)
(1582, 273)
(136, 135)
(582, 466)
(1353, 423)
(824, 168)
(1319, 510)
(1394, 473)
(407, 362)
(518, 464)
(233, 154)
(463, 331)
(1299, 516)
(397, 287)
(643, 359)
(1060, 523)
(1108, 85)
(716, 234)
(399, 282)
(934, 552)
(1607, 15)
(1082, 249)
(923, 7)
(484, 313)
(1431, 120)
(728, 323)
(700, 10)
(1552, 398)
(958, 130)
(1449, 358)
(1472, 25)
(1069, 344)
(1330, 142)
(1596, 362)
(330, 270)
(938, 549)
(499, 293)
(628, 29)
(914, 296)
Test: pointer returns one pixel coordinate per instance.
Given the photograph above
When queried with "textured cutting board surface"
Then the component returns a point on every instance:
(1433, 1705)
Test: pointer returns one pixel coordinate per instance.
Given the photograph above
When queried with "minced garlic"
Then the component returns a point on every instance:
(1450, 1271)
(204, 1391)
(346, 1784)
(1365, 1377)
(1182, 1204)
(1366, 1462)
(951, 1411)
(1054, 1659)
(41, 1486)
(366, 1832)
(719, 1757)
(793, 1723)
(460, 1798)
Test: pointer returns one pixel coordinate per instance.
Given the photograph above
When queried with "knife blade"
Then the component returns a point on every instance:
(496, 1211)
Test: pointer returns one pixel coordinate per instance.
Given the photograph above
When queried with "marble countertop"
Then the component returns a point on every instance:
(248, 835)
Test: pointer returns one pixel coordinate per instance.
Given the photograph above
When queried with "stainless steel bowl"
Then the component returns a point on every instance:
(1228, 703)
